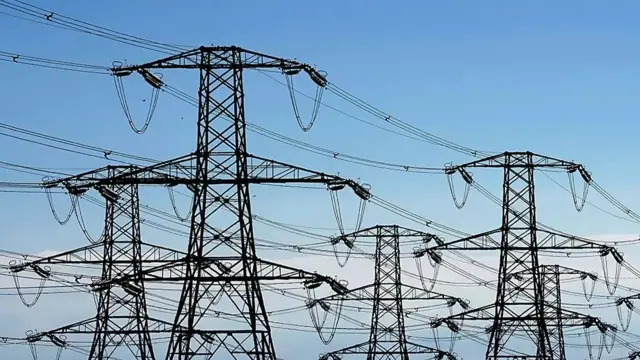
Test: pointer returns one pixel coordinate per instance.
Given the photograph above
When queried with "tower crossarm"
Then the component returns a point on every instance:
(65, 336)
(220, 57)
(630, 297)
(552, 240)
(366, 293)
(482, 241)
(500, 161)
(181, 171)
(562, 270)
(229, 269)
(570, 318)
(365, 349)
(481, 313)
(92, 254)
(402, 232)
(87, 326)
(566, 318)
(547, 240)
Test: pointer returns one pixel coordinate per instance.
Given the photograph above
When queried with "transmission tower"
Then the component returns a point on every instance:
(222, 275)
(551, 276)
(387, 339)
(167, 265)
(121, 320)
(222, 152)
(520, 242)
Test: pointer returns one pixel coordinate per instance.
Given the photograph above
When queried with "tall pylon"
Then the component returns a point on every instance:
(387, 338)
(221, 185)
(121, 323)
(521, 305)
(551, 276)
(223, 275)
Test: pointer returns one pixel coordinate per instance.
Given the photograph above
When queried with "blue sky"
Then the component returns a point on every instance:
(557, 79)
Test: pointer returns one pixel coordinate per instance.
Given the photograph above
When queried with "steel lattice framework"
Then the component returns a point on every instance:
(220, 259)
(551, 276)
(520, 300)
(387, 339)
(221, 149)
(119, 284)
(121, 320)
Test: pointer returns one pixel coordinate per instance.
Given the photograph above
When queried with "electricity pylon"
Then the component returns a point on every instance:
(219, 275)
(166, 265)
(550, 276)
(387, 339)
(121, 320)
(521, 239)
(221, 152)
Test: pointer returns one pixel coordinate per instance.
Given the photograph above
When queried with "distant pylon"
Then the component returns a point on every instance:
(387, 338)
(522, 305)
(121, 320)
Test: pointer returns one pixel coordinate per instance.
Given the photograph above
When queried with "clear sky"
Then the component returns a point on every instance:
(559, 79)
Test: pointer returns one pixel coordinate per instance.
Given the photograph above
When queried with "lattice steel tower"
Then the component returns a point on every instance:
(220, 186)
(121, 320)
(520, 300)
(387, 339)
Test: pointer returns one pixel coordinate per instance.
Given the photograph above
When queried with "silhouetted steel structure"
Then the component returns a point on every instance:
(122, 282)
(550, 276)
(522, 304)
(121, 320)
(387, 339)
(220, 182)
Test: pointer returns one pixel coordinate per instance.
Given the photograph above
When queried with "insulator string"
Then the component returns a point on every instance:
(611, 286)
(83, 226)
(578, 202)
(465, 196)
(61, 221)
(175, 207)
(316, 104)
(432, 280)
(122, 97)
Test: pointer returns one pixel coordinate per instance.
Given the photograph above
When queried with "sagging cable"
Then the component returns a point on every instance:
(615, 202)
(337, 212)
(74, 201)
(617, 256)
(60, 341)
(44, 273)
(435, 260)
(612, 332)
(583, 277)
(628, 304)
(319, 78)
(175, 207)
(32, 338)
(587, 335)
(155, 80)
(335, 202)
(435, 325)
(312, 304)
(579, 201)
(349, 245)
(83, 226)
(449, 170)
(454, 330)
